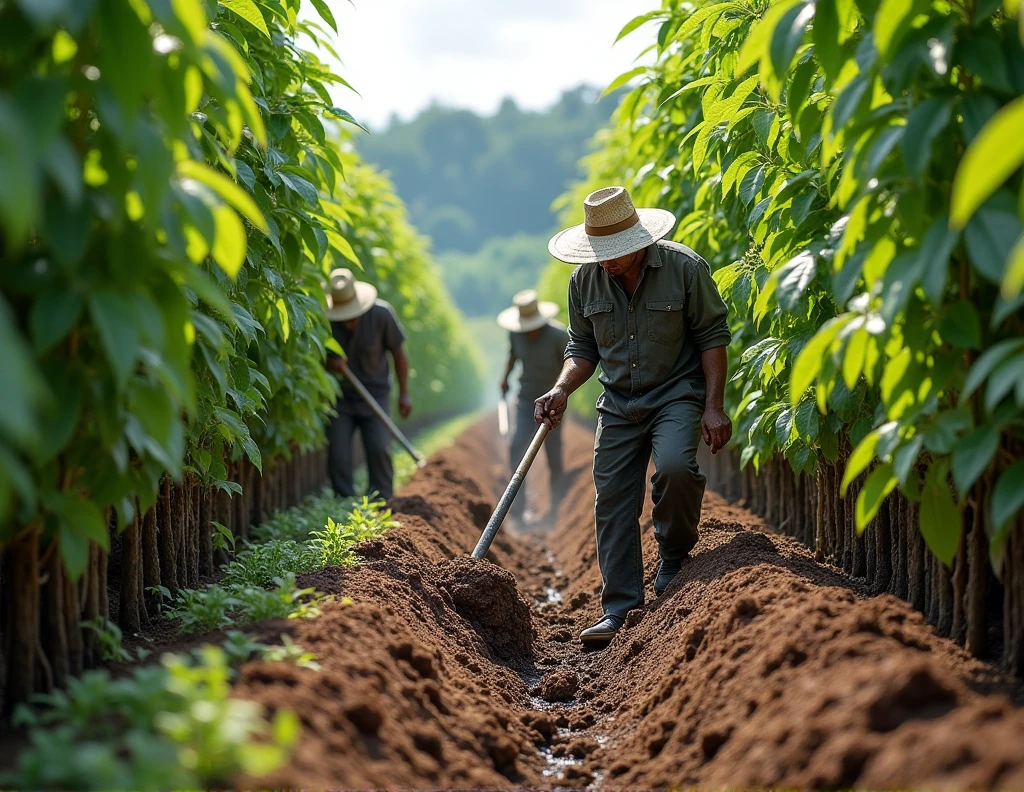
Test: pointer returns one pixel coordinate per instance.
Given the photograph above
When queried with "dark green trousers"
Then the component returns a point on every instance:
(625, 443)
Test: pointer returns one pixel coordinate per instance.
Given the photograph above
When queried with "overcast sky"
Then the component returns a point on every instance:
(402, 54)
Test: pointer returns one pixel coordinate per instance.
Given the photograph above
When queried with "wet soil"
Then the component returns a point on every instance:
(758, 667)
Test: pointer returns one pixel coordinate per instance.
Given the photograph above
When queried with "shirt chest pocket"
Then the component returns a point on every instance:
(665, 320)
(602, 319)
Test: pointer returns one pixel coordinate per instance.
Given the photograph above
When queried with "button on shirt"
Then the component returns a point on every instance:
(378, 331)
(541, 360)
(648, 346)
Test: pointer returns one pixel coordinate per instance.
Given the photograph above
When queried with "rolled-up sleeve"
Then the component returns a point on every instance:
(707, 317)
(582, 343)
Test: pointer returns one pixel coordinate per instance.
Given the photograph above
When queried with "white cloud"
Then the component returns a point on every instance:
(403, 54)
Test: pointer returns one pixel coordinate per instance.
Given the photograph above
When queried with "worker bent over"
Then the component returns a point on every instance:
(649, 313)
(537, 342)
(366, 328)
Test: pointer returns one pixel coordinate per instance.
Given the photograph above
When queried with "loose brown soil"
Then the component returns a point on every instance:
(758, 667)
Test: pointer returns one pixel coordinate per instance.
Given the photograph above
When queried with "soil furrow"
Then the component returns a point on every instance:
(760, 666)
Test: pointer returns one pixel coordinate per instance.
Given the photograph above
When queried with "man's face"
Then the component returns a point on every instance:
(350, 324)
(622, 264)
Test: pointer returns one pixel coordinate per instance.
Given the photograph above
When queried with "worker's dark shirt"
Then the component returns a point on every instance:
(541, 360)
(649, 347)
(376, 333)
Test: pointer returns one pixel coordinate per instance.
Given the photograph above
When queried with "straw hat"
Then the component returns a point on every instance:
(613, 228)
(527, 313)
(348, 298)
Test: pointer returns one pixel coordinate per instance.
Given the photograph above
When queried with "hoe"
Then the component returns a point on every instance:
(511, 491)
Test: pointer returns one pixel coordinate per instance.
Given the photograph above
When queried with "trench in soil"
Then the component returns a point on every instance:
(758, 667)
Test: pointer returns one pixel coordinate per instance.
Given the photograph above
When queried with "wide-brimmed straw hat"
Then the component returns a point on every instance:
(527, 313)
(613, 228)
(348, 298)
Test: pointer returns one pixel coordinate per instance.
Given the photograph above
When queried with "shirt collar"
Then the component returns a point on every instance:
(653, 255)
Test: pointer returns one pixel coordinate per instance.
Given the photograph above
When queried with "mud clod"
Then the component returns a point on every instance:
(487, 596)
(559, 686)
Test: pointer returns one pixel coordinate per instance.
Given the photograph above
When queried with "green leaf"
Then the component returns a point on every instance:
(230, 244)
(788, 35)
(939, 518)
(925, 122)
(74, 551)
(892, 21)
(961, 325)
(863, 455)
(54, 313)
(250, 12)
(972, 455)
(987, 361)
(346, 116)
(933, 257)
(622, 79)
(991, 235)
(793, 279)
(1007, 500)
(874, 492)
(809, 361)
(325, 13)
(114, 317)
(826, 37)
(989, 161)
(225, 188)
(636, 22)
(1013, 277)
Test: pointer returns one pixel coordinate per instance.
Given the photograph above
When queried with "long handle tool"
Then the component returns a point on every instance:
(395, 431)
(511, 491)
(503, 417)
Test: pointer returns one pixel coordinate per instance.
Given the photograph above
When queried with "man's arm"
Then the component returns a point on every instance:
(550, 407)
(715, 426)
(402, 374)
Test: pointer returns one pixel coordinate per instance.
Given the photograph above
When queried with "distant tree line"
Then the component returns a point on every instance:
(467, 178)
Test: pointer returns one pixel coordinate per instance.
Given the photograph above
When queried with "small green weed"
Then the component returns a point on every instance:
(298, 522)
(333, 544)
(290, 652)
(218, 606)
(259, 564)
(108, 641)
(168, 726)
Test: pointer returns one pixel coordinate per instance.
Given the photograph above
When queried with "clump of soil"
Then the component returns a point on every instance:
(487, 596)
(559, 686)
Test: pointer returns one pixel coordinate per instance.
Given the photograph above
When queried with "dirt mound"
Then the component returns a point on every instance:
(559, 686)
(487, 596)
(759, 667)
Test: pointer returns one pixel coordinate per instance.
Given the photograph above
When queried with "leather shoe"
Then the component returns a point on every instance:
(604, 630)
(667, 570)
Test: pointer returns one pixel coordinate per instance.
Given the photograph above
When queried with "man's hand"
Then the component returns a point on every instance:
(504, 387)
(715, 428)
(338, 365)
(550, 407)
(404, 405)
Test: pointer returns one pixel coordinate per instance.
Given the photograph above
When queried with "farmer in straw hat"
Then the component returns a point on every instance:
(366, 328)
(537, 342)
(649, 313)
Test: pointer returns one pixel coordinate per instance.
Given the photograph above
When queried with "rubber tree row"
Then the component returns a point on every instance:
(173, 545)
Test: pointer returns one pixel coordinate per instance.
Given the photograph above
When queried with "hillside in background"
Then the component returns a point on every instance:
(467, 178)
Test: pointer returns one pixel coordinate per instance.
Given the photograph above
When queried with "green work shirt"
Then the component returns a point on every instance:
(541, 359)
(649, 347)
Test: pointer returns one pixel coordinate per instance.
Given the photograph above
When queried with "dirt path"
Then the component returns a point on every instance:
(758, 667)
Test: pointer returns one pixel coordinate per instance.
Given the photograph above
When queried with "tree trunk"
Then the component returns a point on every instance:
(22, 633)
(91, 602)
(883, 548)
(131, 616)
(205, 496)
(915, 560)
(977, 579)
(54, 641)
(945, 595)
(72, 626)
(959, 628)
(1013, 600)
(150, 559)
(165, 535)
